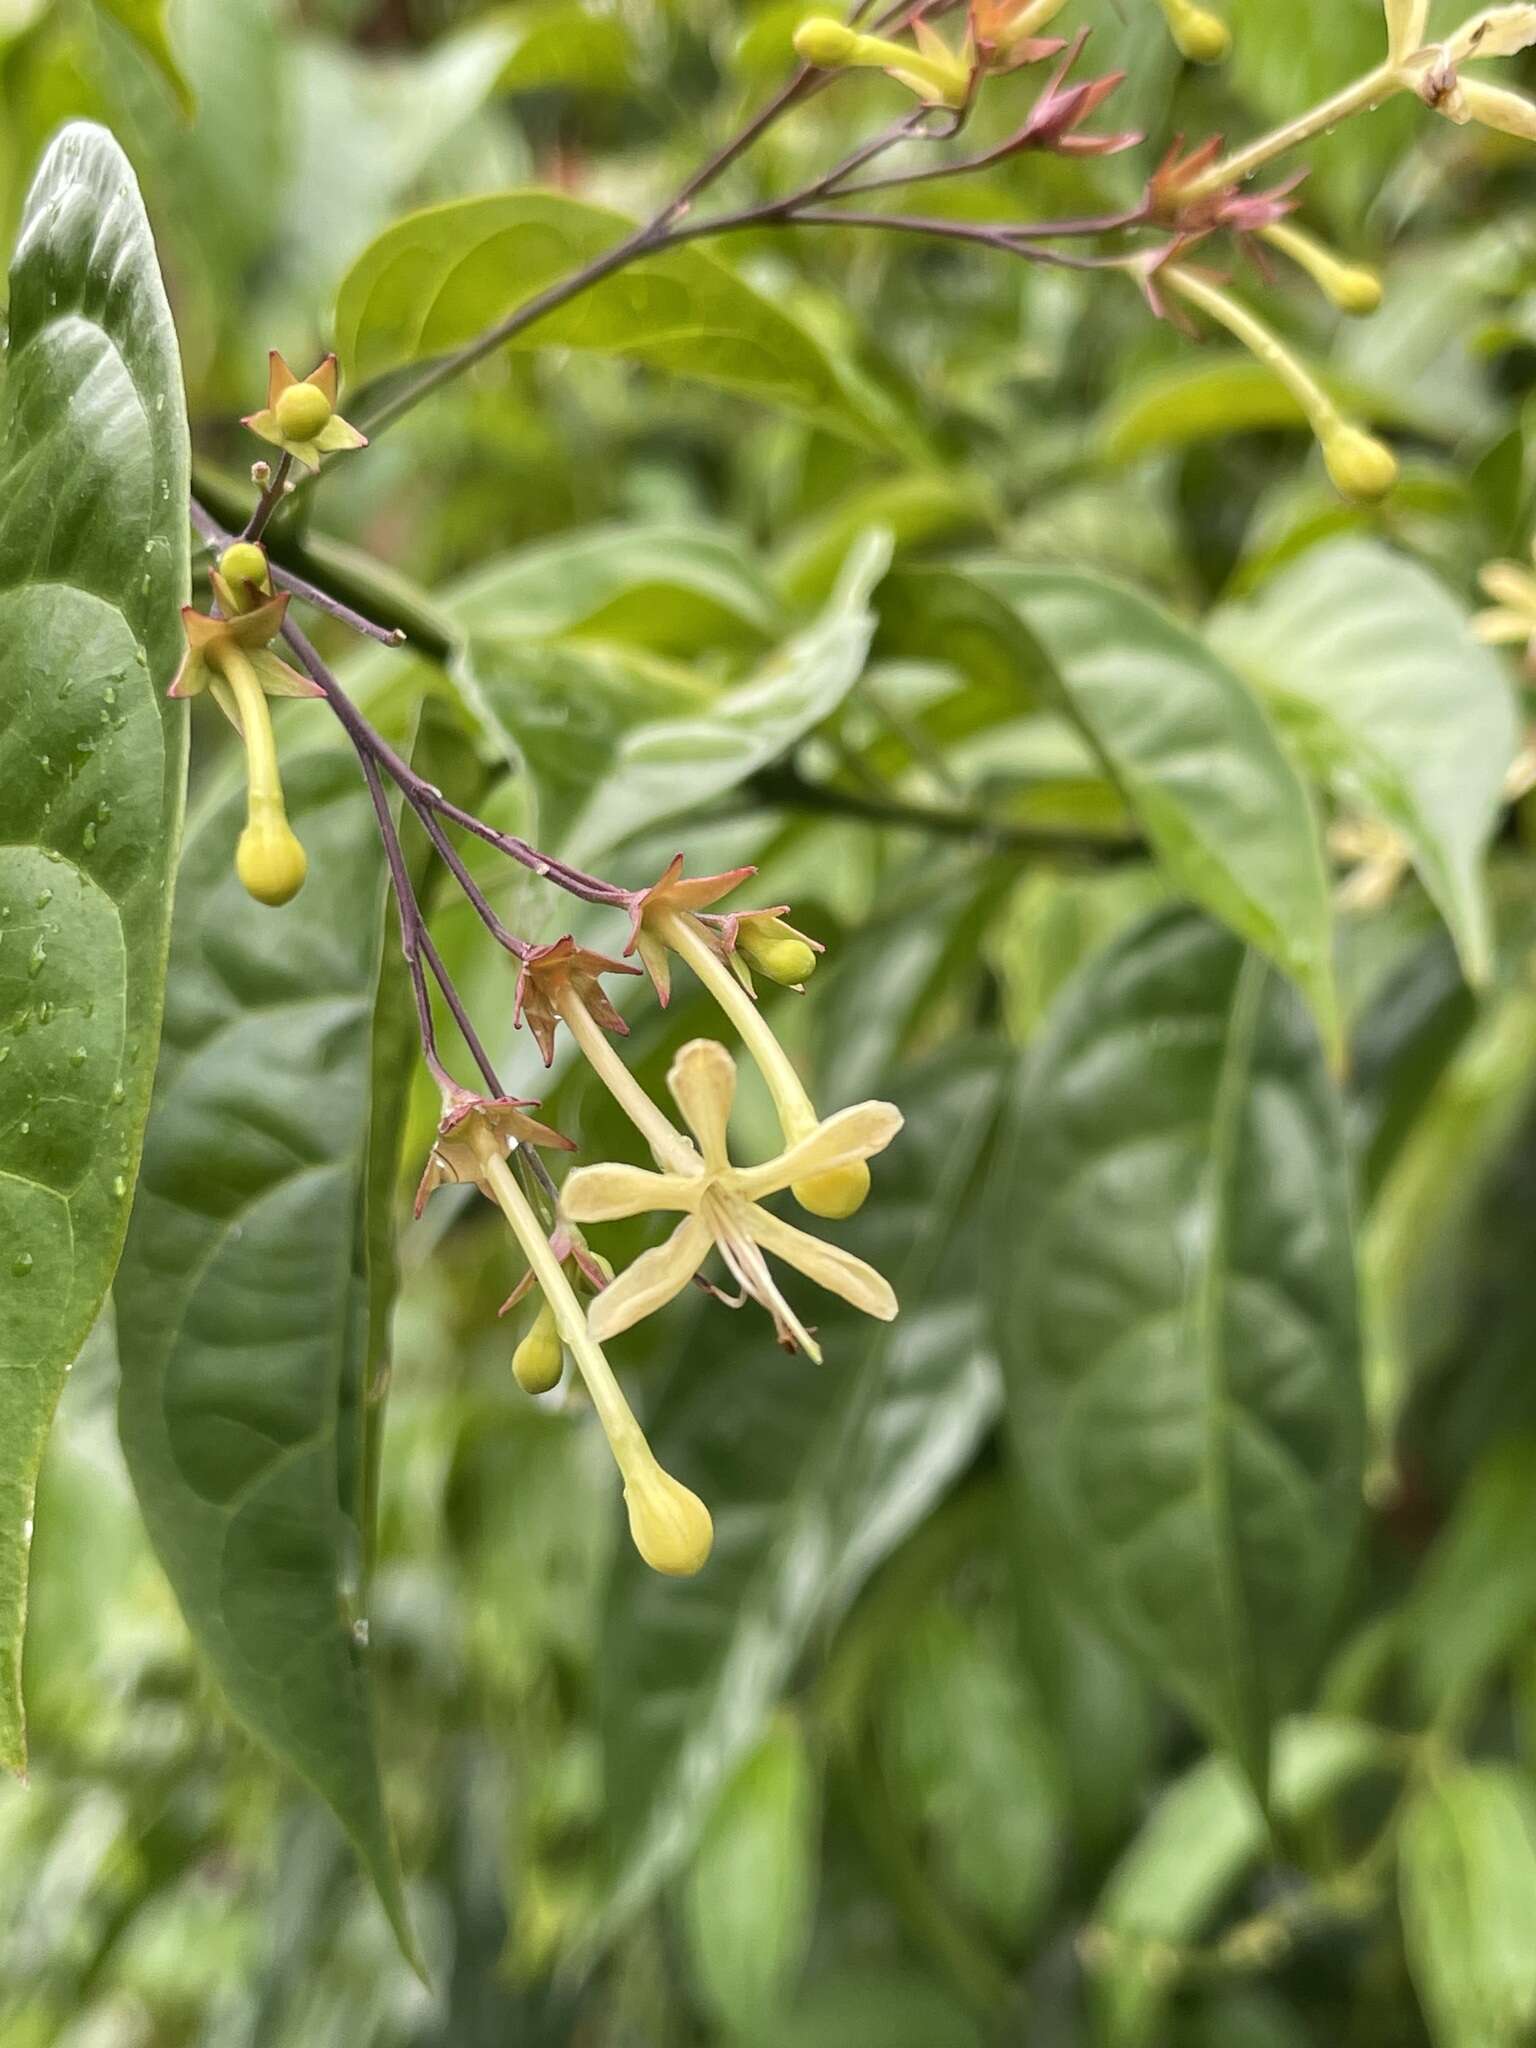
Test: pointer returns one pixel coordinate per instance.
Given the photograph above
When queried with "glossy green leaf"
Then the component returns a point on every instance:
(243, 1297)
(1204, 1833)
(441, 276)
(1467, 1872)
(812, 1478)
(1197, 398)
(1369, 664)
(1177, 1317)
(93, 566)
(1226, 811)
(148, 22)
(678, 764)
(751, 1890)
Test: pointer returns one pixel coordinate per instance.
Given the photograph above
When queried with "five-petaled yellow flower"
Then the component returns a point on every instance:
(721, 1206)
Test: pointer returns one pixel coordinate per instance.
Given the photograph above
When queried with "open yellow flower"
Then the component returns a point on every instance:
(721, 1206)
(1434, 70)
(1511, 619)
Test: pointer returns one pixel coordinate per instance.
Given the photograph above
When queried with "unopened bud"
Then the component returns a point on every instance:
(670, 1525)
(825, 42)
(1353, 287)
(302, 410)
(842, 1192)
(1362, 467)
(539, 1360)
(774, 949)
(1198, 35)
(270, 861)
(261, 474)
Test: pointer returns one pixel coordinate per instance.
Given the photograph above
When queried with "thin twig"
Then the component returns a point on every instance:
(299, 586)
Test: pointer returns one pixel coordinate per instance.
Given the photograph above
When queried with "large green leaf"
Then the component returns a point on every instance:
(677, 764)
(812, 1478)
(244, 1305)
(441, 276)
(1225, 809)
(1369, 663)
(93, 565)
(1177, 1317)
(1467, 1871)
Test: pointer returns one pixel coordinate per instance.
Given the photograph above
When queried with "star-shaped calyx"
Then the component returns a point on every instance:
(300, 415)
(551, 978)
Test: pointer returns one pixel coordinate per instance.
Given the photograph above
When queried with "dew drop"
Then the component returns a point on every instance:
(88, 836)
(78, 1057)
(35, 960)
(118, 1091)
(21, 1265)
(119, 1186)
(25, 1128)
(42, 899)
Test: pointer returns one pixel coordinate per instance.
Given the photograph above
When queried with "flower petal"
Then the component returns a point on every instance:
(323, 377)
(856, 1133)
(702, 1080)
(600, 1194)
(654, 1279)
(1495, 106)
(827, 1264)
(1508, 584)
(1500, 628)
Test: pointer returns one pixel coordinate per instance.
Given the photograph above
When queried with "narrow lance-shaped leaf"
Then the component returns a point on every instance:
(1227, 813)
(1177, 1316)
(243, 1301)
(93, 566)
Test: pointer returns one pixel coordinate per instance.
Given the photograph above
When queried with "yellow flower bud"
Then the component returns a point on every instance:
(776, 950)
(1353, 287)
(241, 563)
(834, 1195)
(270, 861)
(670, 1525)
(302, 410)
(825, 42)
(1362, 467)
(539, 1360)
(1198, 35)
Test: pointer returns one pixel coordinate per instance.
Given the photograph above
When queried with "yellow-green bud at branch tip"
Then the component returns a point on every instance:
(1198, 35)
(1362, 467)
(302, 411)
(270, 861)
(539, 1360)
(671, 1526)
(834, 1195)
(774, 949)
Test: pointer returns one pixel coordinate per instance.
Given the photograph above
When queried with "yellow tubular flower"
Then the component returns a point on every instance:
(230, 658)
(1361, 466)
(269, 859)
(1353, 287)
(721, 1206)
(1198, 35)
(932, 70)
(671, 1526)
